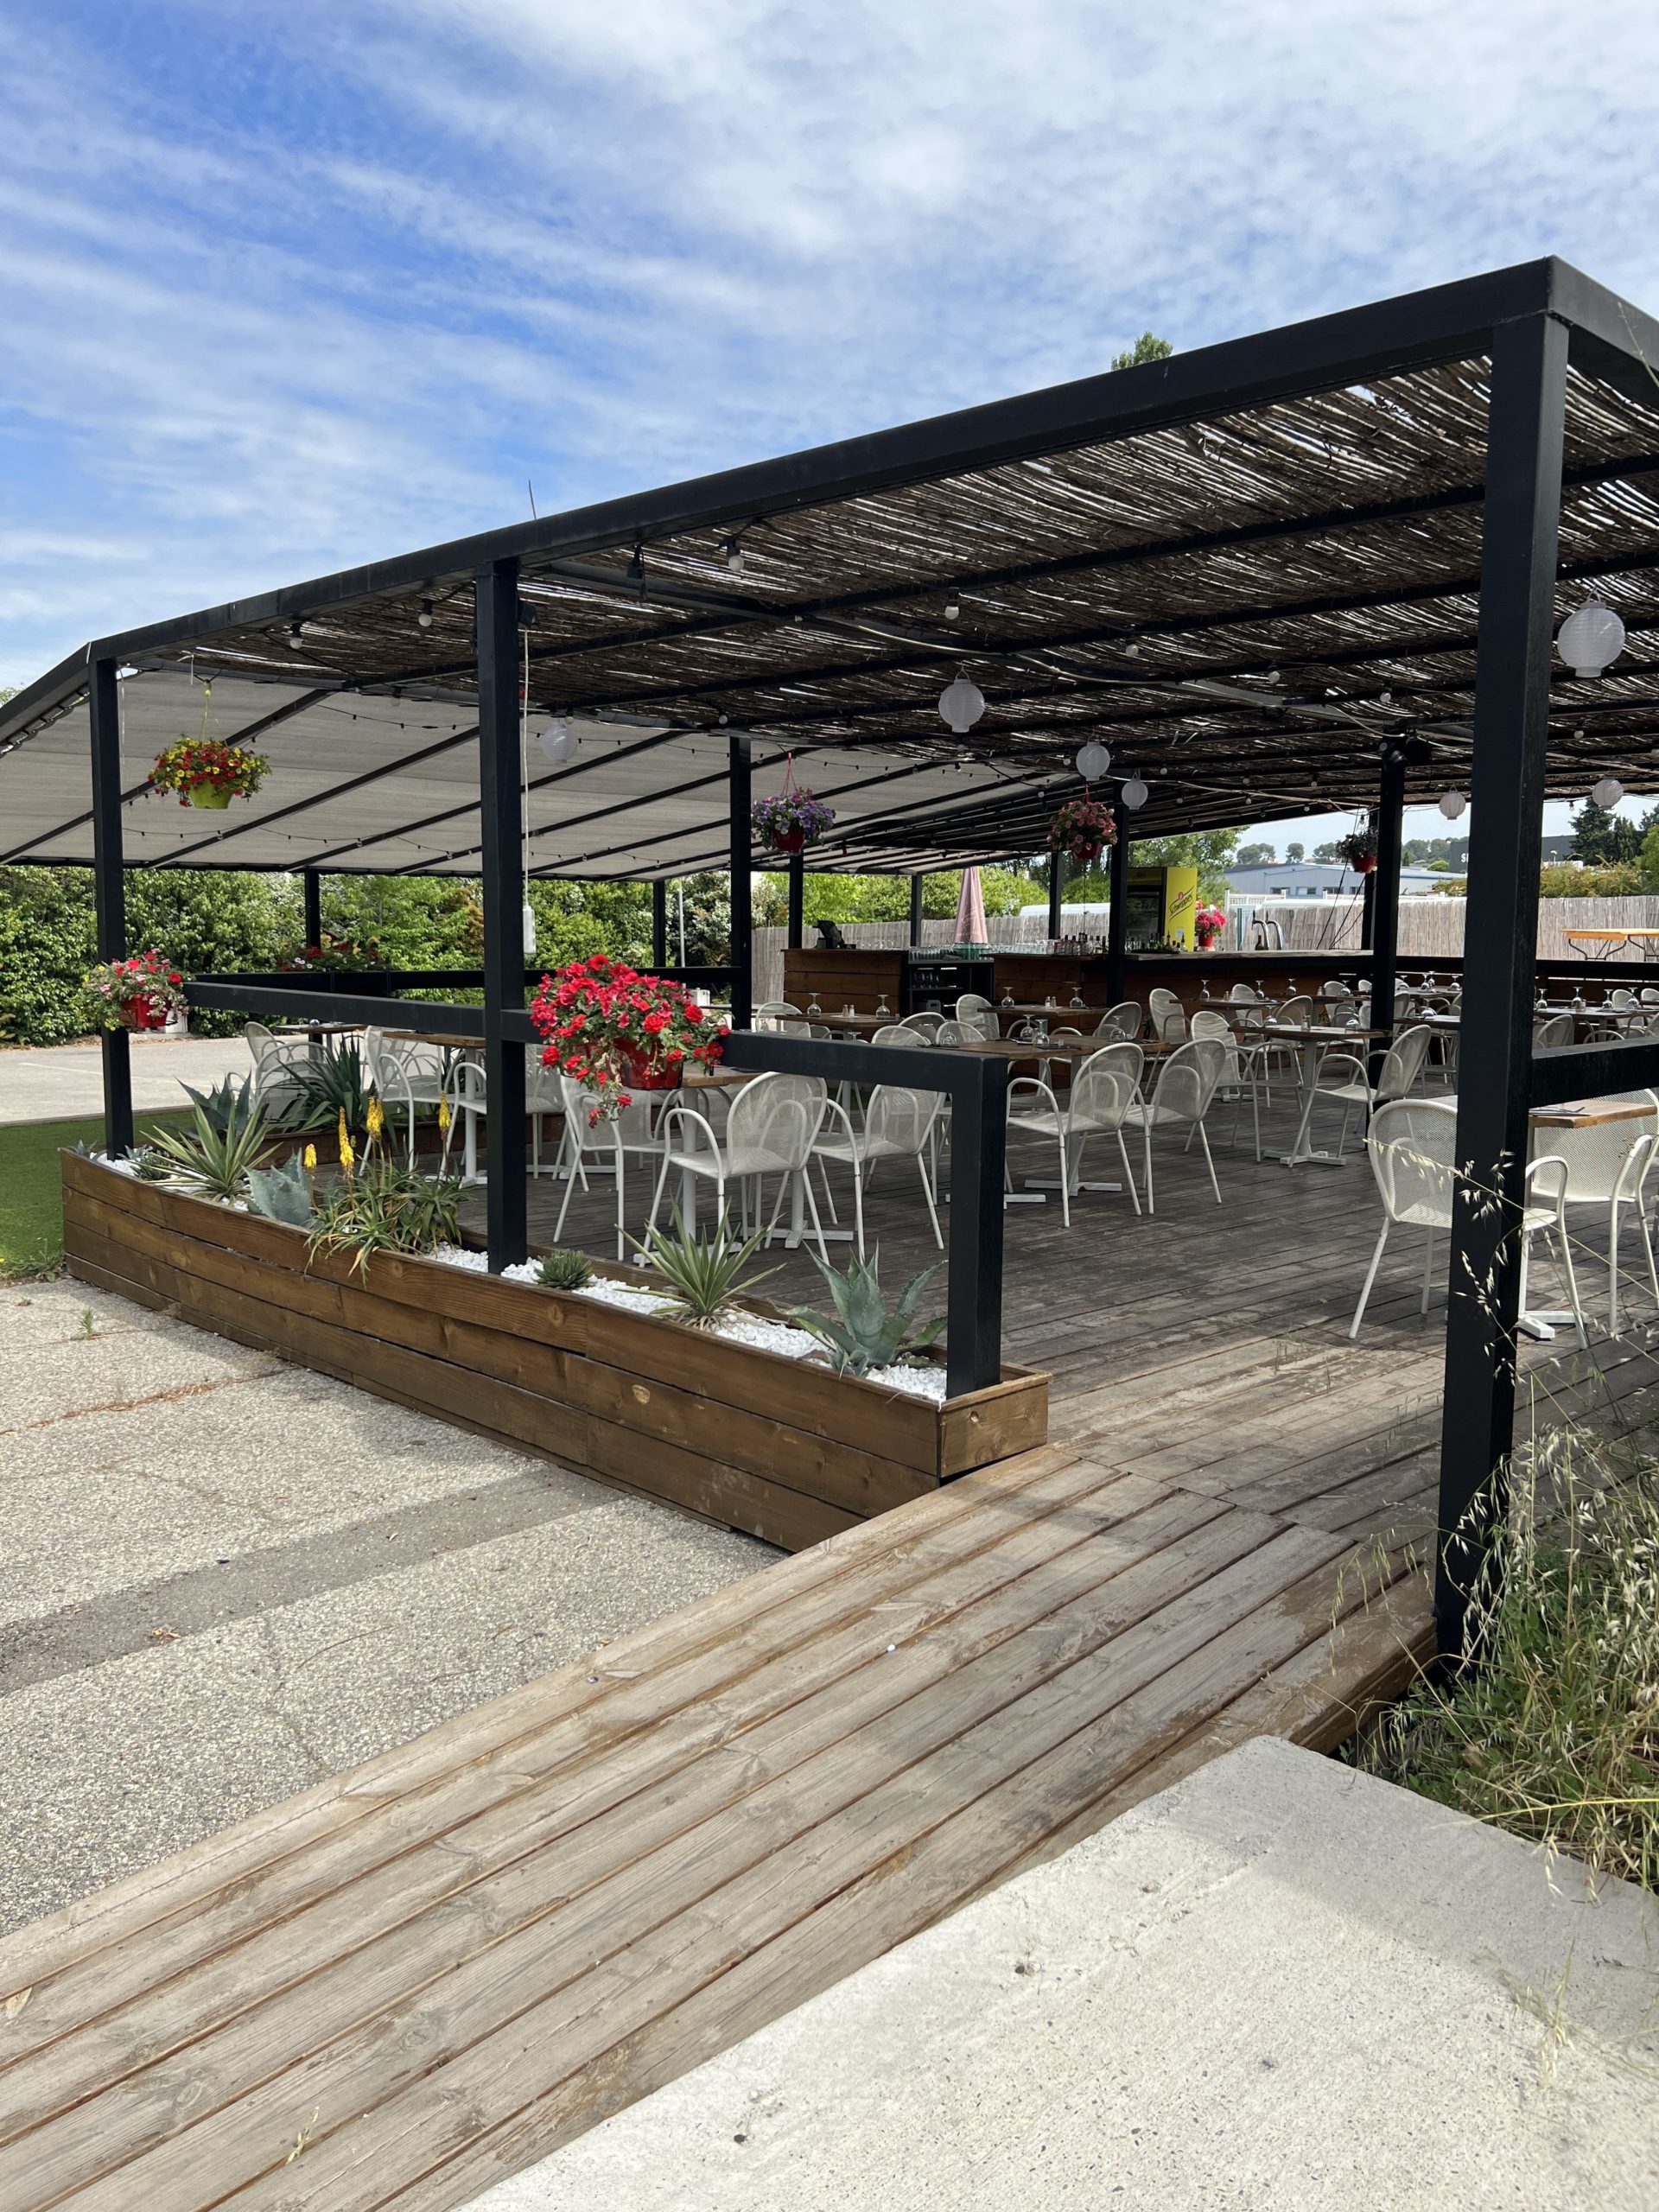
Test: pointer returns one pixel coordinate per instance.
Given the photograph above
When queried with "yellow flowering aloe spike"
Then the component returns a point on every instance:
(444, 1113)
(347, 1157)
(310, 1158)
(376, 1119)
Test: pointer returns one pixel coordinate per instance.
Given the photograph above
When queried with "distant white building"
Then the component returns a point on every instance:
(1315, 879)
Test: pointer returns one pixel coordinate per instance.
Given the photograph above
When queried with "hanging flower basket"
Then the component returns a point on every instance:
(1082, 830)
(142, 992)
(1209, 924)
(205, 771)
(791, 819)
(616, 1031)
(1357, 850)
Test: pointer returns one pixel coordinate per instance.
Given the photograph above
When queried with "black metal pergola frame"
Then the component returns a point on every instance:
(1534, 326)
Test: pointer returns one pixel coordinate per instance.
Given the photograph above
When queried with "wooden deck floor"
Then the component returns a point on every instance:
(422, 1975)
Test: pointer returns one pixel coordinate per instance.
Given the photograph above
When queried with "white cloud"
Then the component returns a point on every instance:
(286, 292)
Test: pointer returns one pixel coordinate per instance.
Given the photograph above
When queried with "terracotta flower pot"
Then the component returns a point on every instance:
(207, 795)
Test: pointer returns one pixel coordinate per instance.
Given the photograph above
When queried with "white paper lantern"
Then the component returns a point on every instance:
(559, 742)
(1608, 793)
(961, 703)
(1591, 639)
(1093, 761)
(1133, 794)
(1452, 804)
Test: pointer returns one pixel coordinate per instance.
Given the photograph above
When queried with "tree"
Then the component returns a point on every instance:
(1294, 852)
(1145, 348)
(1212, 852)
(1327, 852)
(1602, 838)
(1256, 856)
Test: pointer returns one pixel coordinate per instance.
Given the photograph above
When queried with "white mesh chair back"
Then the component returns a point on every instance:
(951, 1032)
(1206, 1024)
(1622, 999)
(1650, 996)
(897, 1121)
(895, 1033)
(970, 1005)
(275, 1059)
(1604, 1160)
(1559, 1029)
(1412, 1148)
(1188, 1080)
(1168, 1015)
(1246, 995)
(374, 1058)
(1403, 1062)
(1298, 1011)
(543, 1086)
(1334, 987)
(1123, 1021)
(1103, 1088)
(783, 1019)
(923, 1025)
(771, 1126)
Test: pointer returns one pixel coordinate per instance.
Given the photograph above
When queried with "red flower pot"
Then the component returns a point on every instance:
(639, 1073)
(1367, 867)
(788, 841)
(143, 1013)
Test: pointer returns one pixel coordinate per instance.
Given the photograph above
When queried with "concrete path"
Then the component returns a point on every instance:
(55, 1083)
(1280, 1986)
(224, 1579)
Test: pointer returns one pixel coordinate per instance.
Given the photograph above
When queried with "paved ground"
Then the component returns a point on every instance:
(55, 1083)
(225, 1578)
(1280, 1986)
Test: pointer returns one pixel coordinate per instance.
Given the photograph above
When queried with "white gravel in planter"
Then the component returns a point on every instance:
(478, 1263)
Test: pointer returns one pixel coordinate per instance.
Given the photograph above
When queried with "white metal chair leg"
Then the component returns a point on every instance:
(1571, 1272)
(1065, 1182)
(1371, 1277)
(1303, 1125)
(1526, 1257)
(812, 1208)
(1203, 1139)
(621, 1215)
(1151, 1208)
(1128, 1178)
(932, 1210)
(564, 1208)
(1612, 1270)
(1428, 1269)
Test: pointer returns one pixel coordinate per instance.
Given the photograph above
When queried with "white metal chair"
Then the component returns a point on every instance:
(1122, 1021)
(925, 1025)
(1559, 1029)
(606, 1144)
(1412, 1144)
(782, 1019)
(277, 1063)
(977, 1016)
(1180, 1098)
(1343, 1080)
(897, 1125)
(1245, 1071)
(1103, 1090)
(770, 1130)
(1168, 1014)
(408, 1075)
(1608, 1164)
(1035, 1111)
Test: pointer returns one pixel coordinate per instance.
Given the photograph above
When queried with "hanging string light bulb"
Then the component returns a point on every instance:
(1093, 761)
(961, 704)
(1452, 804)
(559, 742)
(424, 618)
(1133, 794)
(1608, 793)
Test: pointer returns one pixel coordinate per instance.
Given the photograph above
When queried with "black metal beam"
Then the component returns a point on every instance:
(109, 885)
(1524, 465)
(659, 923)
(501, 819)
(1117, 916)
(742, 839)
(797, 901)
(1594, 1071)
(917, 882)
(311, 887)
(1384, 886)
(1055, 891)
(977, 1087)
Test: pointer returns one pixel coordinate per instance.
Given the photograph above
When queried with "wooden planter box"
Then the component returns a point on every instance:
(782, 1451)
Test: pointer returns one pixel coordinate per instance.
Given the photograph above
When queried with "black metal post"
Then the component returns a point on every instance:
(311, 886)
(103, 715)
(797, 901)
(659, 923)
(1518, 555)
(1368, 902)
(1118, 919)
(1385, 892)
(916, 884)
(501, 832)
(1056, 892)
(742, 923)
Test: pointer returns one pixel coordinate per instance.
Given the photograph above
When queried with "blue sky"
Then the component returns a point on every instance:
(288, 287)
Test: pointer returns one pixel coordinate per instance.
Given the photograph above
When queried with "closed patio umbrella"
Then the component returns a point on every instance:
(970, 910)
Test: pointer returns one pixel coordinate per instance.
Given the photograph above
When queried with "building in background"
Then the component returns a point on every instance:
(1319, 880)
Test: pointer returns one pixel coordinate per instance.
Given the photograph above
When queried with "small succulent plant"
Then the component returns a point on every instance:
(704, 1274)
(282, 1193)
(562, 1270)
(861, 1334)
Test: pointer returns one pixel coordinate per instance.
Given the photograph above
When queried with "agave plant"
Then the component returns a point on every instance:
(229, 1100)
(282, 1193)
(562, 1270)
(861, 1334)
(387, 1207)
(332, 1081)
(704, 1274)
(213, 1162)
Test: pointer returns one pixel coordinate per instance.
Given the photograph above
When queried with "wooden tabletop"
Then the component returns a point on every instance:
(1589, 1113)
(1065, 1048)
(1608, 936)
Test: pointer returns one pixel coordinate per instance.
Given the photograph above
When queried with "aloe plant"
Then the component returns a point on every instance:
(332, 1081)
(282, 1193)
(229, 1100)
(213, 1162)
(861, 1334)
(387, 1207)
(704, 1274)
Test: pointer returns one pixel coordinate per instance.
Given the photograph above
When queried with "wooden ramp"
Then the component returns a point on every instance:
(422, 1975)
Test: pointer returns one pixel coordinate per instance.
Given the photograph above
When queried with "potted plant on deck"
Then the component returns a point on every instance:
(616, 1032)
(207, 772)
(142, 993)
(1208, 925)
